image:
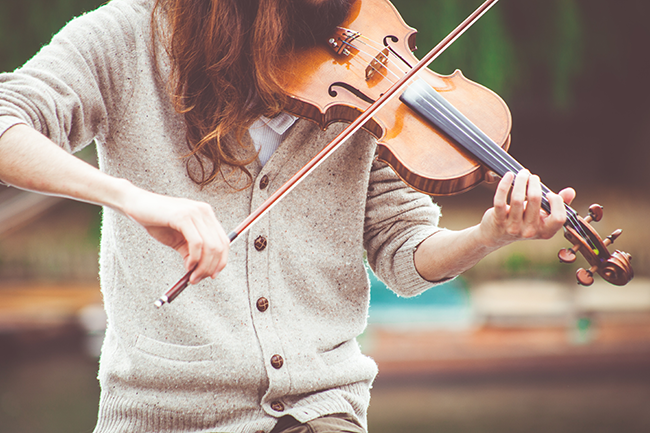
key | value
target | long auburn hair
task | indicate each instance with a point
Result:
(224, 56)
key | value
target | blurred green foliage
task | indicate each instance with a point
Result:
(485, 53)
(520, 265)
(492, 52)
(25, 25)
(533, 47)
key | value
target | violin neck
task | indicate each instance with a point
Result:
(437, 111)
(428, 103)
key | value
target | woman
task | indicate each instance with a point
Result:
(181, 97)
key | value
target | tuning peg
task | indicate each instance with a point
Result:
(568, 255)
(595, 213)
(585, 277)
(614, 268)
(611, 238)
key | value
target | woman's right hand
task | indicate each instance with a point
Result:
(190, 227)
(29, 160)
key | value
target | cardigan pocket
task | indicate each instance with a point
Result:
(174, 352)
(340, 353)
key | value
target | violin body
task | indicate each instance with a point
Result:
(442, 139)
(327, 85)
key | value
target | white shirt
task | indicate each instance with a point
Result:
(268, 133)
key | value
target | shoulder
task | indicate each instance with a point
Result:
(117, 16)
(111, 34)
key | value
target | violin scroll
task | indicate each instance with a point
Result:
(614, 268)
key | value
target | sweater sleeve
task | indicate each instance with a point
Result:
(69, 90)
(398, 219)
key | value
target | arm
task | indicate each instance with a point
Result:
(73, 91)
(397, 220)
(449, 253)
(29, 160)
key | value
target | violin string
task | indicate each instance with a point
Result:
(512, 165)
(388, 46)
(371, 43)
(494, 151)
(362, 60)
(389, 59)
(499, 156)
(378, 71)
(379, 47)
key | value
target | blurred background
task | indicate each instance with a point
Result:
(513, 345)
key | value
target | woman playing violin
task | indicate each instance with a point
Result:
(183, 101)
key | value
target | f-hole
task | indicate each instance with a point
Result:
(356, 92)
(394, 39)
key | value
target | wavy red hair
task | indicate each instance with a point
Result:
(224, 55)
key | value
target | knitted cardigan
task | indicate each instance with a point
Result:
(216, 359)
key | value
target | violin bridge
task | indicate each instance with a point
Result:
(378, 64)
(342, 41)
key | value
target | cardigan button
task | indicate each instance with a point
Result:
(277, 406)
(262, 304)
(260, 243)
(277, 362)
(264, 182)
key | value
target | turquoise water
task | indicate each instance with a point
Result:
(444, 305)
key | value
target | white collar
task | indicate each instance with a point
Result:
(280, 123)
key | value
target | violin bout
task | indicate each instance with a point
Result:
(614, 268)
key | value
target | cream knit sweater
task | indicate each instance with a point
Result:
(214, 360)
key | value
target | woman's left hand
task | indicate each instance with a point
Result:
(522, 217)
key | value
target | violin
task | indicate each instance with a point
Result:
(443, 135)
